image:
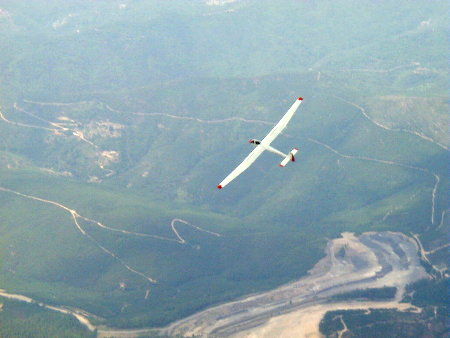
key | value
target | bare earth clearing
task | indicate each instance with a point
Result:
(371, 260)
(295, 310)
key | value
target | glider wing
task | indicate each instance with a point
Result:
(281, 125)
(243, 166)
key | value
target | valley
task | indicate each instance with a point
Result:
(372, 260)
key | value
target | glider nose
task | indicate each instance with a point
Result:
(250, 141)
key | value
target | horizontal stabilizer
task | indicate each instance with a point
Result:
(289, 157)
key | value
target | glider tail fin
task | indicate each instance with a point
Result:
(289, 157)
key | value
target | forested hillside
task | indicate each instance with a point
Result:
(119, 118)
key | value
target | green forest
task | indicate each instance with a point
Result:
(119, 117)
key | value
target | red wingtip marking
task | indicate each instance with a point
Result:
(219, 186)
(300, 98)
(281, 165)
(296, 148)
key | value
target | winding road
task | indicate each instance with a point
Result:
(81, 315)
(373, 121)
(76, 217)
(393, 163)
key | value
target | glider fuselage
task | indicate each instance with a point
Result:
(267, 147)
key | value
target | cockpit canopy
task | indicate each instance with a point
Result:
(254, 141)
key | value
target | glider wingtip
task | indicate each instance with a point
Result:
(300, 98)
(280, 165)
(219, 187)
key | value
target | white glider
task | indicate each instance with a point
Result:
(265, 145)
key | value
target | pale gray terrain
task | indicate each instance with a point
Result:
(371, 260)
